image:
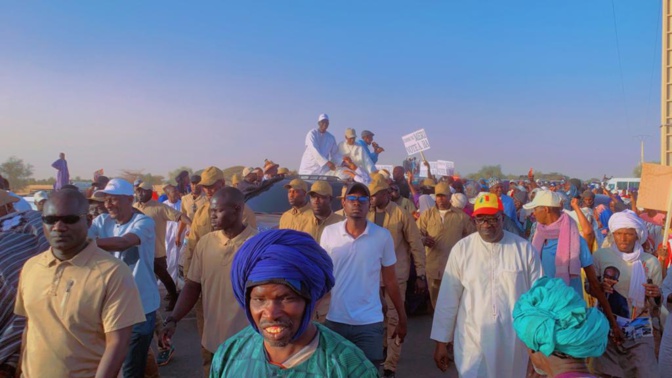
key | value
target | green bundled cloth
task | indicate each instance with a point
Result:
(551, 317)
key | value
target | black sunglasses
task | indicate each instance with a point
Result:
(67, 219)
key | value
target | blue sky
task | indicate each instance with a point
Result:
(157, 85)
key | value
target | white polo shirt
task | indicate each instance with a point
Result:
(139, 258)
(355, 298)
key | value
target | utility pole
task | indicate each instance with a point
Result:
(666, 85)
(641, 138)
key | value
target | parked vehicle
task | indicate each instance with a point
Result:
(627, 184)
(270, 200)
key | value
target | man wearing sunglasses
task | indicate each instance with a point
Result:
(80, 302)
(361, 251)
(130, 236)
(21, 237)
(486, 273)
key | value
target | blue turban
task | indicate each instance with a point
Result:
(551, 317)
(283, 256)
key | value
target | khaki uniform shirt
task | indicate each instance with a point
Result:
(314, 227)
(200, 226)
(406, 237)
(160, 214)
(406, 204)
(190, 205)
(211, 267)
(70, 306)
(294, 218)
(455, 225)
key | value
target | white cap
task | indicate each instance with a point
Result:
(247, 171)
(544, 198)
(350, 133)
(40, 196)
(116, 187)
(322, 117)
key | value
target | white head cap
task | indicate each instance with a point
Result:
(322, 117)
(116, 187)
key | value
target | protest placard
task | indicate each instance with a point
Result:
(416, 142)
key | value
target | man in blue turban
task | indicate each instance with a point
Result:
(560, 332)
(278, 277)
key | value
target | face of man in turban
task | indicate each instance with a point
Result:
(277, 311)
(625, 239)
(496, 189)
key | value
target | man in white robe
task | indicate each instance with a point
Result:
(172, 229)
(486, 274)
(321, 154)
(359, 157)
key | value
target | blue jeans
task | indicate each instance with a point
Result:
(141, 340)
(368, 338)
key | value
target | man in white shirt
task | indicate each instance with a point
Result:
(361, 251)
(486, 274)
(130, 236)
(321, 154)
(356, 153)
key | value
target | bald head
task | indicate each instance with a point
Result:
(70, 198)
(230, 196)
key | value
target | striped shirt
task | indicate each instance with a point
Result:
(21, 237)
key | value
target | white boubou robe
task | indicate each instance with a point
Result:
(480, 286)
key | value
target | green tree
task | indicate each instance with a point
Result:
(17, 172)
(487, 171)
(131, 175)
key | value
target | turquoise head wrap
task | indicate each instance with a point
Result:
(551, 317)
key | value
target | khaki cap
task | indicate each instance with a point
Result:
(146, 186)
(377, 185)
(211, 175)
(443, 189)
(283, 171)
(428, 183)
(297, 184)
(235, 179)
(350, 133)
(344, 190)
(6, 198)
(322, 188)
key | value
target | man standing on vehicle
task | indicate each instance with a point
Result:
(321, 150)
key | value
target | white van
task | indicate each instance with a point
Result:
(619, 184)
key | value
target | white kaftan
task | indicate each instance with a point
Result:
(320, 149)
(359, 157)
(173, 251)
(665, 352)
(480, 286)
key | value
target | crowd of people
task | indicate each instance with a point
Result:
(520, 276)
